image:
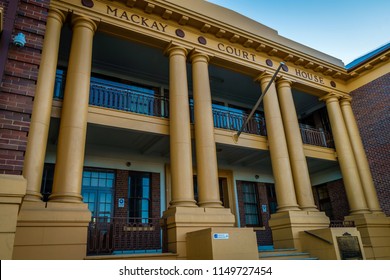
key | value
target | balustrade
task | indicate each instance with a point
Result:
(136, 99)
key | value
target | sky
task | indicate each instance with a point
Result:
(345, 29)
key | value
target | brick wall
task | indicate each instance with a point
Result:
(370, 105)
(121, 191)
(17, 86)
(136, 239)
(338, 199)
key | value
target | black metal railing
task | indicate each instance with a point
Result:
(316, 137)
(129, 100)
(341, 223)
(113, 235)
(104, 93)
(224, 118)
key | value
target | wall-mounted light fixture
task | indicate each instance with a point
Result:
(20, 40)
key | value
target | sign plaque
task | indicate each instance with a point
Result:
(349, 247)
(221, 236)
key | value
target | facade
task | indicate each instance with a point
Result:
(119, 125)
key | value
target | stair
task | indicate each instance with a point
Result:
(283, 254)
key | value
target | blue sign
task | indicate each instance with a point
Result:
(221, 236)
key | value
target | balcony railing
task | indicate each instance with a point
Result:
(316, 137)
(119, 96)
(128, 100)
(113, 235)
(227, 119)
(140, 100)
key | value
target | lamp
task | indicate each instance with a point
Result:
(20, 40)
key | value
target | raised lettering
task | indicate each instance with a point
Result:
(143, 21)
(163, 26)
(124, 15)
(133, 18)
(154, 25)
(229, 50)
(309, 76)
(110, 10)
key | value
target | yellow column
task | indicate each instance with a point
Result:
(40, 118)
(206, 156)
(180, 133)
(284, 185)
(73, 127)
(298, 162)
(360, 156)
(353, 186)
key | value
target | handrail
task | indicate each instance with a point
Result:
(319, 237)
(316, 136)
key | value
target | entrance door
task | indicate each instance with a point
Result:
(97, 192)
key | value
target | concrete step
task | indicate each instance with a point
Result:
(284, 254)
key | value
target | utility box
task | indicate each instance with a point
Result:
(222, 243)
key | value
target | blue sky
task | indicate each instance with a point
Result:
(345, 29)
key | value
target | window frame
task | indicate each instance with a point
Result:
(255, 204)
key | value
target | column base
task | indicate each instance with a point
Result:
(375, 232)
(178, 221)
(66, 198)
(221, 243)
(12, 190)
(52, 231)
(286, 227)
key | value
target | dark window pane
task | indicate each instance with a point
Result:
(139, 195)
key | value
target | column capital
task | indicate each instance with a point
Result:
(283, 82)
(57, 15)
(175, 49)
(345, 100)
(82, 21)
(331, 97)
(263, 76)
(198, 56)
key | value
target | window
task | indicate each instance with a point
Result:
(223, 191)
(139, 196)
(324, 200)
(271, 196)
(47, 181)
(97, 192)
(251, 205)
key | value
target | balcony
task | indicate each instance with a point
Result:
(145, 101)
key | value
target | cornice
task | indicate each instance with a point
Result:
(221, 30)
(369, 64)
(255, 43)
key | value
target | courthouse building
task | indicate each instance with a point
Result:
(118, 137)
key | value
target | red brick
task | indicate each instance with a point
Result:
(370, 104)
